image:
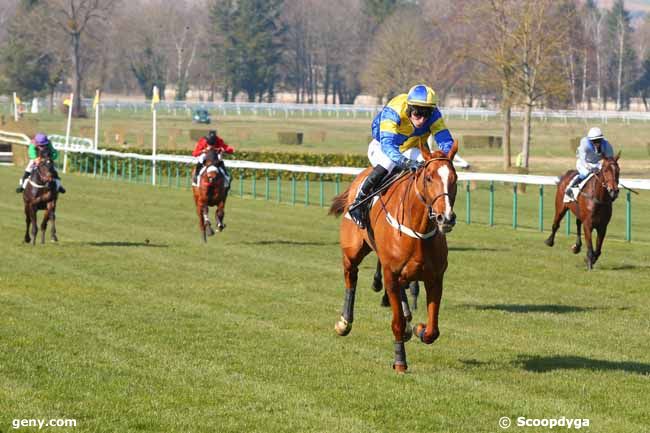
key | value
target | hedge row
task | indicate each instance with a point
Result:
(321, 160)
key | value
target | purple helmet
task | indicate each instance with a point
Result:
(41, 139)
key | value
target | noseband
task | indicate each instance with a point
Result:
(430, 212)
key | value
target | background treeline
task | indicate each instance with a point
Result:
(543, 53)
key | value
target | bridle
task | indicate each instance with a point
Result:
(432, 215)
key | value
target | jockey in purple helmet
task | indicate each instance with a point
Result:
(397, 131)
(39, 144)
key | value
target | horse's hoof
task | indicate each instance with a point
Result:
(550, 242)
(209, 231)
(55, 239)
(385, 302)
(419, 329)
(27, 240)
(400, 368)
(377, 285)
(575, 248)
(220, 227)
(343, 327)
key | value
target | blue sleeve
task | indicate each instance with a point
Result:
(608, 150)
(390, 146)
(444, 140)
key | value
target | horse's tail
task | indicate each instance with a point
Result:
(339, 203)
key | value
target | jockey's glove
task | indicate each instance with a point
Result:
(409, 164)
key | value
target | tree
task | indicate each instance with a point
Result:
(80, 20)
(251, 44)
(623, 58)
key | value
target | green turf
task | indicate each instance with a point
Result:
(130, 324)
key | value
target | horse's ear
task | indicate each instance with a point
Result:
(618, 155)
(453, 151)
(425, 151)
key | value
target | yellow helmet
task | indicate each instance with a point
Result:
(422, 96)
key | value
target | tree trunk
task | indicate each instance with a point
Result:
(77, 109)
(507, 119)
(619, 83)
(583, 97)
(525, 145)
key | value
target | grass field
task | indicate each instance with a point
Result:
(551, 152)
(130, 324)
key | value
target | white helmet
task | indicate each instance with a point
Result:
(595, 133)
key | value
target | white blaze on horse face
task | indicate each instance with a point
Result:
(444, 172)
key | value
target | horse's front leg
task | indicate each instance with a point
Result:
(430, 333)
(53, 221)
(28, 220)
(46, 218)
(377, 285)
(34, 222)
(219, 215)
(578, 245)
(591, 258)
(398, 325)
(205, 214)
(560, 210)
(601, 231)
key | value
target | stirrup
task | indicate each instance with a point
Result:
(358, 215)
(20, 189)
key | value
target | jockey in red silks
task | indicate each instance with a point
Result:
(216, 143)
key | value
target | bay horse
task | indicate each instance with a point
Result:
(406, 229)
(211, 191)
(592, 209)
(41, 194)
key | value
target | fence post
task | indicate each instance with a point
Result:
(279, 181)
(541, 208)
(241, 182)
(628, 216)
(321, 190)
(254, 186)
(491, 215)
(306, 189)
(568, 223)
(266, 182)
(293, 189)
(468, 217)
(337, 184)
(514, 206)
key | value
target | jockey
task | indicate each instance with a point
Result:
(397, 131)
(592, 149)
(211, 142)
(39, 143)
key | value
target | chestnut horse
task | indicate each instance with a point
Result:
(593, 208)
(41, 194)
(211, 191)
(406, 229)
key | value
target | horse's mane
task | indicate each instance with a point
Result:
(338, 203)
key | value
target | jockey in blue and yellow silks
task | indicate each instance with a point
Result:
(397, 131)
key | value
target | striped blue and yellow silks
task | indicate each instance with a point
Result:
(393, 129)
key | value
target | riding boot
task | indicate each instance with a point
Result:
(359, 212)
(59, 187)
(21, 183)
(197, 172)
(573, 184)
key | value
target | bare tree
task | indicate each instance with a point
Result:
(79, 19)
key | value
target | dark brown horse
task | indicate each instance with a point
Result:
(211, 191)
(41, 194)
(593, 208)
(407, 226)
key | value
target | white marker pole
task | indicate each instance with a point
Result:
(67, 133)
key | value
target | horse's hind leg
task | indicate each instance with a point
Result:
(559, 214)
(377, 284)
(578, 245)
(352, 257)
(414, 287)
(28, 220)
(34, 223)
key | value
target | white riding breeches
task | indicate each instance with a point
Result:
(378, 157)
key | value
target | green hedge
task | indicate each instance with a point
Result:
(320, 160)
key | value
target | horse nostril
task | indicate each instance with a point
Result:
(440, 218)
(452, 221)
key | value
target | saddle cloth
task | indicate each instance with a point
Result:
(576, 190)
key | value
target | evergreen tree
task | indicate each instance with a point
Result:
(250, 44)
